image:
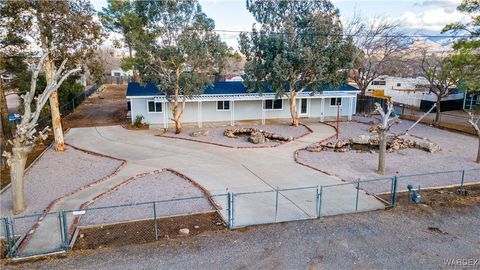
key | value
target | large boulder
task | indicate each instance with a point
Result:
(427, 146)
(257, 137)
(361, 139)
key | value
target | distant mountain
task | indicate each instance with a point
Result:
(434, 42)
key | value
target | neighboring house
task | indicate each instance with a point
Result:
(231, 101)
(120, 73)
(401, 90)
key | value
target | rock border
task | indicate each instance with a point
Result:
(310, 131)
(84, 205)
(46, 211)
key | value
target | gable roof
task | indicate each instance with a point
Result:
(217, 88)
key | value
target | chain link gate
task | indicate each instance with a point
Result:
(20, 239)
(8, 239)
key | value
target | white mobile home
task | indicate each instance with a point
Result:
(231, 101)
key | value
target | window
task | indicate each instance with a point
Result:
(399, 84)
(336, 101)
(273, 104)
(117, 74)
(223, 105)
(154, 107)
(378, 83)
(303, 106)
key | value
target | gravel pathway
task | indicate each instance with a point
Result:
(458, 152)
(215, 134)
(164, 185)
(55, 175)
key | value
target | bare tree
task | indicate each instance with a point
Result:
(378, 45)
(474, 124)
(441, 78)
(26, 135)
(66, 29)
(387, 122)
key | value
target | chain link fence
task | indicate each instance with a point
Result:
(67, 108)
(133, 223)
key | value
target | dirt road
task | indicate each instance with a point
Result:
(408, 237)
(108, 106)
(454, 120)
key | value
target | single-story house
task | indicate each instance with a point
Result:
(231, 101)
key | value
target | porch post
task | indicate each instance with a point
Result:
(350, 109)
(309, 108)
(131, 110)
(199, 114)
(322, 109)
(232, 113)
(165, 117)
(263, 112)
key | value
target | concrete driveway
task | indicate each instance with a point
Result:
(220, 169)
(251, 174)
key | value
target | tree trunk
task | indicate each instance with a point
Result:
(382, 151)
(3, 145)
(293, 109)
(438, 110)
(54, 107)
(17, 173)
(134, 72)
(178, 127)
(478, 153)
(177, 115)
(6, 131)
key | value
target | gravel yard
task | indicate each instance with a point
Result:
(55, 175)
(458, 151)
(164, 185)
(215, 134)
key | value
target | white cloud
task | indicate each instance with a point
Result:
(449, 5)
(432, 20)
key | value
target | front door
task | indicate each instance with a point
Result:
(303, 107)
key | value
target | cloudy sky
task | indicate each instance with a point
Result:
(423, 17)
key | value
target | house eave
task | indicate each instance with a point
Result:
(245, 97)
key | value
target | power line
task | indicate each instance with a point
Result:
(353, 35)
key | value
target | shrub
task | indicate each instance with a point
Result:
(138, 123)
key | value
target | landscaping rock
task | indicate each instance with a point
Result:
(373, 129)
(199, 133)
(361, 139)
(257, 137)
(184, 231)
(342, 143)
(427, 146)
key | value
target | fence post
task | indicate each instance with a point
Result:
(358, 190)
(393, 195)
(462, 191)
(319, 203)
(230, 210)
(155, 225)
(65, 229)
(8, 237)
(276, 204)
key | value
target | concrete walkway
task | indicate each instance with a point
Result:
(217, 169)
